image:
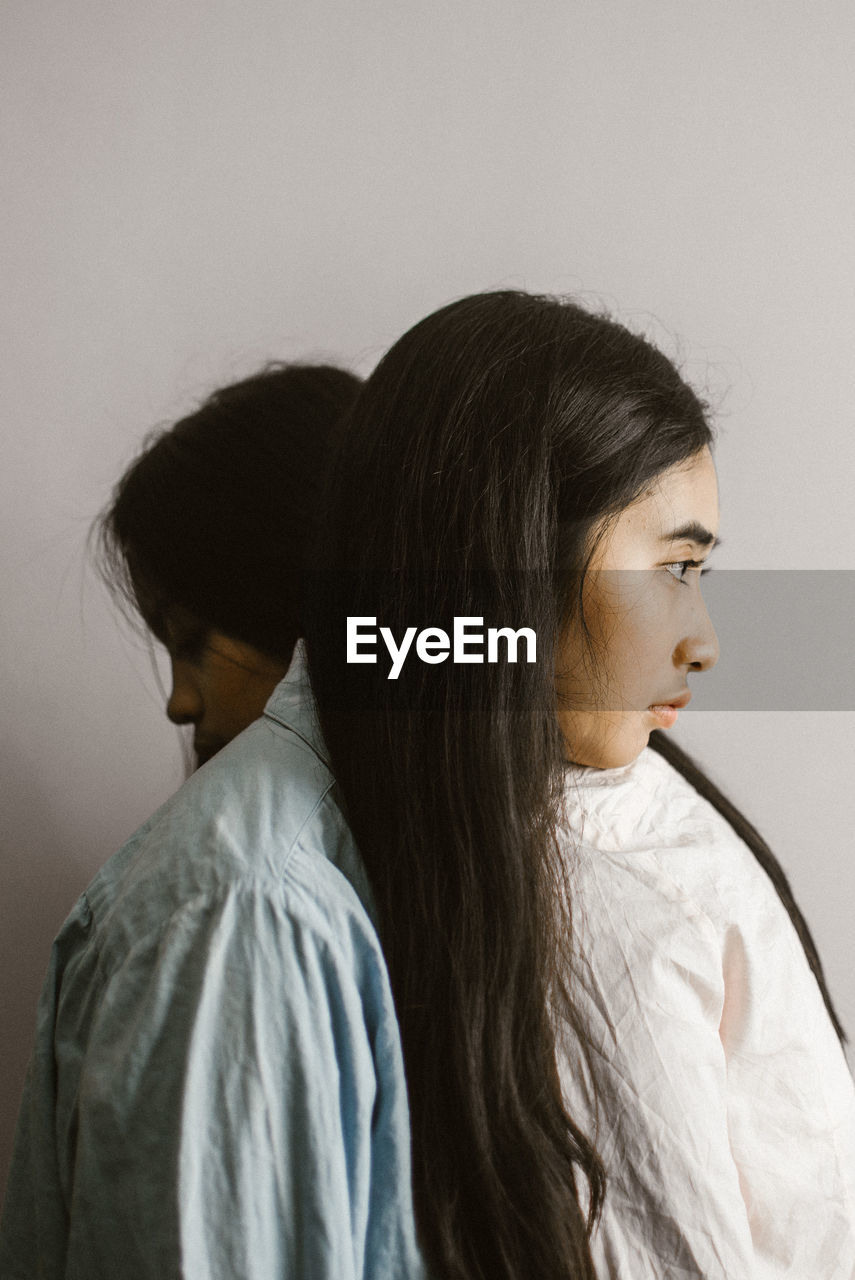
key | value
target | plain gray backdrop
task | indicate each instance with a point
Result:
(191, 189)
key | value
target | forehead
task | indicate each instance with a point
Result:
(683, 495)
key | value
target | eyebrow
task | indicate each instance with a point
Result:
(692, 532)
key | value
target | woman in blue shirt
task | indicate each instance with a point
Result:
(216, 1088)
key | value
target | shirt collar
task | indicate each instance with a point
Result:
(292, 704)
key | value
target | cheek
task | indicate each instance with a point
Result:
(240, 698)
(626, 647)
(638, 652)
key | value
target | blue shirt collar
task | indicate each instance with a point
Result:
(292, 704)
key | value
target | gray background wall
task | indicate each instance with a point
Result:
(191, 189)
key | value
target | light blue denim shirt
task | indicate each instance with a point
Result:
(217, 1088)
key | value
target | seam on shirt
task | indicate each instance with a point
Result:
(248, 879)
(309, 816)
(286, 724)
(275, 888)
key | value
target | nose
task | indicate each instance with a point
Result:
(698, 650)
(184, 705)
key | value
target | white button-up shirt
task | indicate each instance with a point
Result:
(726, 1107)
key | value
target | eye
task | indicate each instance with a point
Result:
(187, 643)
(680, 568)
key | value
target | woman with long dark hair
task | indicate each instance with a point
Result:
(671, 1065)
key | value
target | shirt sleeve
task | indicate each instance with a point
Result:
(230, 1105)
(653, 1093)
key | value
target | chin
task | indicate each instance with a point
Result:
(609, 745)
(617, 759)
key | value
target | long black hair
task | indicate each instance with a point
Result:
(704, 785)
(215, 513)
(477, 461)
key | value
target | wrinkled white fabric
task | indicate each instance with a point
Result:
(726, 1118)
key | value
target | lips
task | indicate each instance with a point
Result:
(682, 700)
(665, 713)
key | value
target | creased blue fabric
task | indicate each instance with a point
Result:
(217, 1087)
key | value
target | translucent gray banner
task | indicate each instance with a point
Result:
(787, 641)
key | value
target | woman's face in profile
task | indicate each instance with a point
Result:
(647, 626)
(219, 684)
